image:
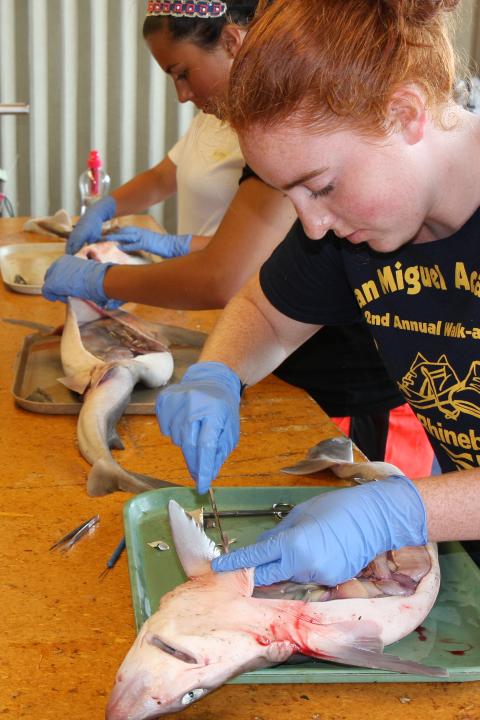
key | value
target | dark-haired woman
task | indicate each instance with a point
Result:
(204, 166)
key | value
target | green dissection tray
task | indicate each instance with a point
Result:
(449, 636)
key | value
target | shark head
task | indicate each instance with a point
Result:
(206, 631)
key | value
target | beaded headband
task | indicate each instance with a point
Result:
(186, 9)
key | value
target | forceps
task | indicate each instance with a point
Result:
(68, 540)
(278, 510)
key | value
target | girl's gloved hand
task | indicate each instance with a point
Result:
(77, 277)
(331, 537)
(89, 228)
(201, 415)
(132, 239)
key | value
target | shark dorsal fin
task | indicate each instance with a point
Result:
(194, 549)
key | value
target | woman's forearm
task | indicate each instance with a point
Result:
(256, 221)
(199, 242)
(452, 502)
(252, 337)
(183, 283)
(147, 188)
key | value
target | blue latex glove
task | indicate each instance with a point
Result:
(89, 228)
(77, 277)
(132, 239)
(201, 415)
(331, 537)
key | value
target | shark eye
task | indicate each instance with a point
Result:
(184, 657)
(193, 695)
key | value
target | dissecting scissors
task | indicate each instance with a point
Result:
(278, 510)
(68, 540)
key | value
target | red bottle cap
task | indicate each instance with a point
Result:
(94, 160)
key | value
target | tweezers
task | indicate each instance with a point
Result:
(68, 540)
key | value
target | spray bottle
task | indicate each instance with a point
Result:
(94, 183)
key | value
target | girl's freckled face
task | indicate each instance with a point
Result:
(363, 189)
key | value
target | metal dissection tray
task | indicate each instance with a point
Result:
(23, 266)
(36, 387)
(449, 636)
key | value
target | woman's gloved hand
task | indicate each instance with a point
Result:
(133, 239)
(77, 277)
(331, 537)
(201, 415)
(89, 228)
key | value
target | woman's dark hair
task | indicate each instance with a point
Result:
(204, 32)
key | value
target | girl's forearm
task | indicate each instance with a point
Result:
(252, 337)
(146, 189)
(452, 502)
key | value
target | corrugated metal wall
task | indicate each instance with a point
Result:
(468, 33)
(84, 68)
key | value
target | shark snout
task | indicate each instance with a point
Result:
(132, 699)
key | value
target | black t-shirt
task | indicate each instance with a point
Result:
(422, 305)
(339, 366)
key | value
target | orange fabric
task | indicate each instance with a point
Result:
(408, 446)
(343, 423)
(407, 443)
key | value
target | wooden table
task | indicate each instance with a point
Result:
(64, 633)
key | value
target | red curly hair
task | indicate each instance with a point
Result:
(327, 63)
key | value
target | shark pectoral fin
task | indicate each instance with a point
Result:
(79, 382)
(105, 371)
(372, 658)
(362, 646)
(369, 643)
(114, 440)
(106, 476)
(367, 471)
(102, 478)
